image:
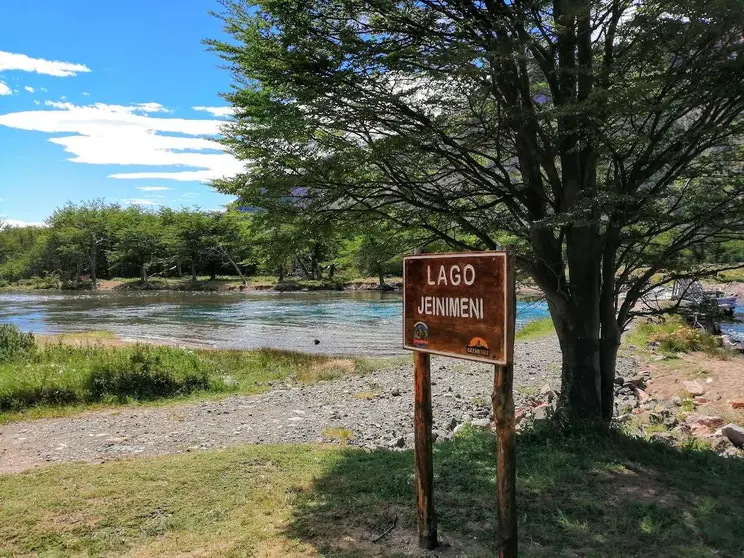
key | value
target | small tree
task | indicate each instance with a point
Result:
(82, 232)
(603, 134)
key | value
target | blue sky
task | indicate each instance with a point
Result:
(97, 100)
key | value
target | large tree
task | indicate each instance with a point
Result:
(601, 134)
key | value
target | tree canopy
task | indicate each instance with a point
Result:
(602, 137)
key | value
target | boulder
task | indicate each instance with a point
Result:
(737, 404)
(481, 423)
(704, 420)
(694, 388)
(734, 433)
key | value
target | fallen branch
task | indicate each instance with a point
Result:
(378, 539)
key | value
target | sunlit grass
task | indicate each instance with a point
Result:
(602, 494)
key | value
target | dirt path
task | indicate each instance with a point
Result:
(373, 411)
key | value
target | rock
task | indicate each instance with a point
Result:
(545, 389)
(395, 392)
(481, 423)
(666, 437)
(709, 381)
(637, 381)
(622, 419)
(704, 420)
(676, 400)
(452, 424)
(397, 442)
(659, 357)
(619, 381)
(458, 428)
(734, 433)
(700, 400)
(693, 388)
(643, 397)
(737, 404)
(720, 443)
(655, 418)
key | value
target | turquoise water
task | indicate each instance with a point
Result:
(736, 330)
(357, 323)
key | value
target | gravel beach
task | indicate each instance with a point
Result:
(372, 410)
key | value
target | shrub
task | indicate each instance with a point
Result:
(143, 374)
(684, 339)
(14, 343)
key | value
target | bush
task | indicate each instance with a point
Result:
(14, 343)
(684, 339)
(144, 374)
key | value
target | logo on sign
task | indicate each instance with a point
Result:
(420, 334)
(478, 346)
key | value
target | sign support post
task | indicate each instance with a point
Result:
(502, 401)
(427, 519)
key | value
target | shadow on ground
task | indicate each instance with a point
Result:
(578, 495)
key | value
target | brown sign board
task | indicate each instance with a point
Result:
(459, 305)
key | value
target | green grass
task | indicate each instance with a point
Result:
(578, 495)
(535, 329)
(674, 336)
(58, 378)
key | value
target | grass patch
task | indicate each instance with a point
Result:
(674, 336)
(578, 495)
(56, 378)
(343, 435)
(535, 329)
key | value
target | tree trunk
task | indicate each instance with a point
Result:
(304, 268)
(93, 263)
(213, 272)
(381, 276)
(193, 272)
(143, 273)
(179, 269)
(281, 273)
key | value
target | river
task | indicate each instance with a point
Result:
(343, 322)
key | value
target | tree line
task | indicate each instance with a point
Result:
(81, 244)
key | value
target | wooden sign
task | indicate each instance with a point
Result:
(463, 306)
(458, 305)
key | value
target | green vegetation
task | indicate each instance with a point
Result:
(60, 376)
(535, 329)
(189, 248)
(578, 495)
(673, 336)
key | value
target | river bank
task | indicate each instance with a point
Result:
(296, 399)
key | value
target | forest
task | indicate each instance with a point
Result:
(84, 243)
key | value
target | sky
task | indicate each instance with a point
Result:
(113, 100)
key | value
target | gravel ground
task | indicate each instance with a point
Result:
(376, 408)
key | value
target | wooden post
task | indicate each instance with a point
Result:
(427, 519)
(503, 412)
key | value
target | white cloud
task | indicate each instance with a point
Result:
(103, 134)
(23, 63)
(36, 102)
(85, 94)
(19, 223)
(4, 89)
(138, 202)
(216, 111)
(29, 89)
(153, 188)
